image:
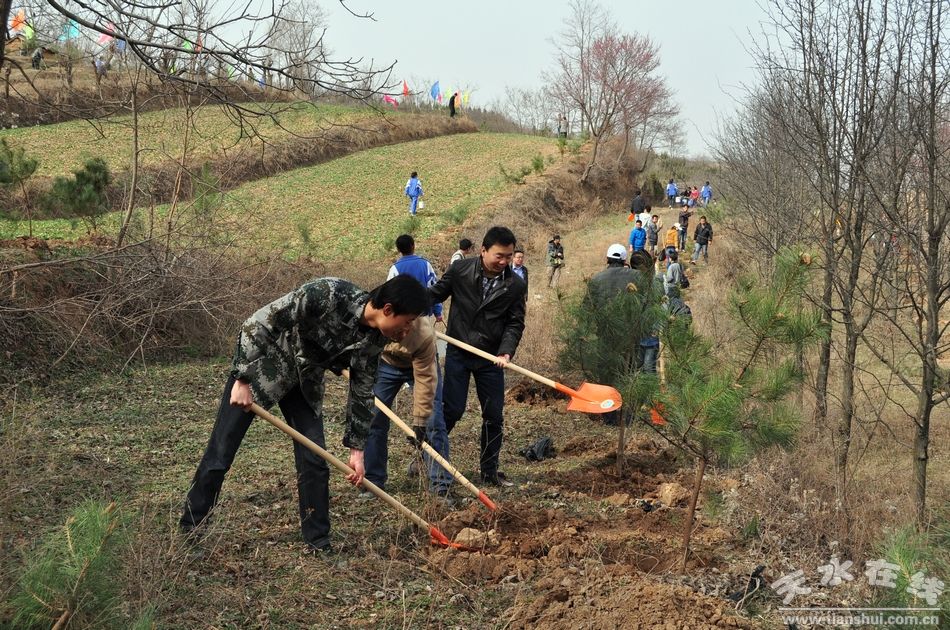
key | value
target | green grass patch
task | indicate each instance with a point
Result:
(63, 147)
(352, 207)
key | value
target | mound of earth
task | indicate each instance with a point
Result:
(598, 597)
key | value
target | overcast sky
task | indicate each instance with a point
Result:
(492, 44)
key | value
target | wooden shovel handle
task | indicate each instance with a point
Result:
(511, 366)
(434, 454)
(339, 465)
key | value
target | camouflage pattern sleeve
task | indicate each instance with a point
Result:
(360, 404)
(260, 358)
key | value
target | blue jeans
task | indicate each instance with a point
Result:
(460, 366)
(700, 249)
(376, 454)
(648, 356)
(681, 237)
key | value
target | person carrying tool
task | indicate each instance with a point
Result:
(488, 308)
(412, 360)
(281, 354)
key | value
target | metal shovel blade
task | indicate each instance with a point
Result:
(593, 398)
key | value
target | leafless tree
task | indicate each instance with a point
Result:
(608, 77)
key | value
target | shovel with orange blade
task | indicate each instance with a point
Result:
(434, 454)
(436, 536)
(588, 398)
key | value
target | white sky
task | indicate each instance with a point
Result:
(491, 44)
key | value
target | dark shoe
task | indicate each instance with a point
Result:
(318, 550)
(444, 498)
(496, 479)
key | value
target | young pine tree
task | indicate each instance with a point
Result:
(15, 169)
(720, 405)
(601, 337)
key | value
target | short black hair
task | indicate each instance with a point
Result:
(649, 207)
(703, 217)
(499, 235)
(465, 244)
(405, 244)
(673, 255)
(639, 222)
(413, 174)
(642, 260)
(637, 193)
(518, 250)
(404, 293)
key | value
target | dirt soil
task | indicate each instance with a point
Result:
(592, 571)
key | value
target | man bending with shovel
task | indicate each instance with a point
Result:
(488, 307)
(282, 352)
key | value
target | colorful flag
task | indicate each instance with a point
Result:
(28, 32)
(105, 38)
(405, 88)
(465, 98)
(70, 31)
(389, 99)
(435, 92)
(19, 20)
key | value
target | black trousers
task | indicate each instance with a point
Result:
(460, 367)
(313, 474)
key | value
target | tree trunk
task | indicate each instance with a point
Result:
(621, 442)
(593, 158)
(824, 349)
(691, 512)
(135, 169)
(843, 432)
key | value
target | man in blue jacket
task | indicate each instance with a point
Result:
(705, 194)
(414, 192)
(638, 237)
(416, 266)
(671, 192)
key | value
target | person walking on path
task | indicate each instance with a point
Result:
(638, 238)
(674, 273)
(488, 309)
(517, 266)
(670, 243)
(653, 234)
(703, 237)
(637, 206)
(414, 192)
(694, 197)
(465, 248)
(409, 264)
(685, 214)
(671, 192)
(705, 194)
(282, 352)
(412, 361)
(555, 261)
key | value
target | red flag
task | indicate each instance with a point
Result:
(389, 99)
(405, 88)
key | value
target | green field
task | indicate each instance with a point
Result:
(354, 207)
(347, 206)
(63, 147)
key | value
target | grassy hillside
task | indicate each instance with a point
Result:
(64, 147)
(354, 207)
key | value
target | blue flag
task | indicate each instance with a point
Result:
(435, 92)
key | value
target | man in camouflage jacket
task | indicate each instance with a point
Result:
(282, 352)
